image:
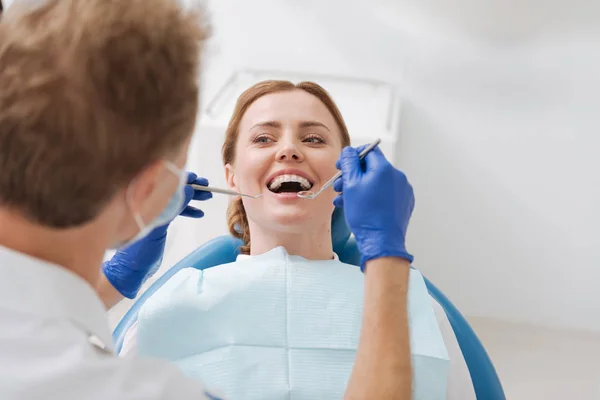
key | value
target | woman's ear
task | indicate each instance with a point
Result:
(230, 177)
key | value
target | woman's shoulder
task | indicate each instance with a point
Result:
(335, 263)
(350, 266)
(190, 277)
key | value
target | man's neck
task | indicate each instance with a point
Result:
(79, 250)
(312, 245)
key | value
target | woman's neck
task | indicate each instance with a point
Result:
(314, 244)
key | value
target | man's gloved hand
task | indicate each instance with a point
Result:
(131, 266)
(378, 202)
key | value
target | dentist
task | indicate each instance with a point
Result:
(98, 103)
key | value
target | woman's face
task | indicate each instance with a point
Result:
(288, 141)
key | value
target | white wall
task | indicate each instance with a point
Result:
(542, 364)
(499, 135)
(501, 144)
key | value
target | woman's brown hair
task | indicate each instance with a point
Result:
(237, 220)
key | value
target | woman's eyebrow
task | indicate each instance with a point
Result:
(308, 124)
(277, 124)
(270, 124)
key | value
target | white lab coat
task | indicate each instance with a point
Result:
(55, 342)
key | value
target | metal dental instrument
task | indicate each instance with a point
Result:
(307, 194)
(223, 191)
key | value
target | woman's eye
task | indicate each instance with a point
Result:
(314, 139)
(262, 139)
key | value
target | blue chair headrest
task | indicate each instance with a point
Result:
(340, 233)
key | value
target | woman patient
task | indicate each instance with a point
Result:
(284, 319)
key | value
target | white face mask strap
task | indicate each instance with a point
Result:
(173, 168)
(139, 221)
(180, 173)
(136, 215)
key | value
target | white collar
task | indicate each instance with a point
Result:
(34, 286)
(281, 252)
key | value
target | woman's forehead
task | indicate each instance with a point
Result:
(295, 106)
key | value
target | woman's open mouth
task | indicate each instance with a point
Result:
(289, 183)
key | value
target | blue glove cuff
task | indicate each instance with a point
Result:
(379, 244)
(111, 273)
(132, 266)
(127, 281)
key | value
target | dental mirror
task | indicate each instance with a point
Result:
(307, 194)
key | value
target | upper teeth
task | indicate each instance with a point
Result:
(276, 183)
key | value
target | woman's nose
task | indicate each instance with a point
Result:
(289, 152)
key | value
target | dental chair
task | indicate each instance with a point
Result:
(224, 249)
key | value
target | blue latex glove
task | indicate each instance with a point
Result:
(377, 201)
(130, 267)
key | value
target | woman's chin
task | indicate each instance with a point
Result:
(290, 213)
(288, 217)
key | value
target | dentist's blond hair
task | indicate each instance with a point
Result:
(91, 93)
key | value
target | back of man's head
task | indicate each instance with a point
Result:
(91, 92)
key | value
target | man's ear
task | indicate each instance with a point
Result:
(230, 177)
(144, 186)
